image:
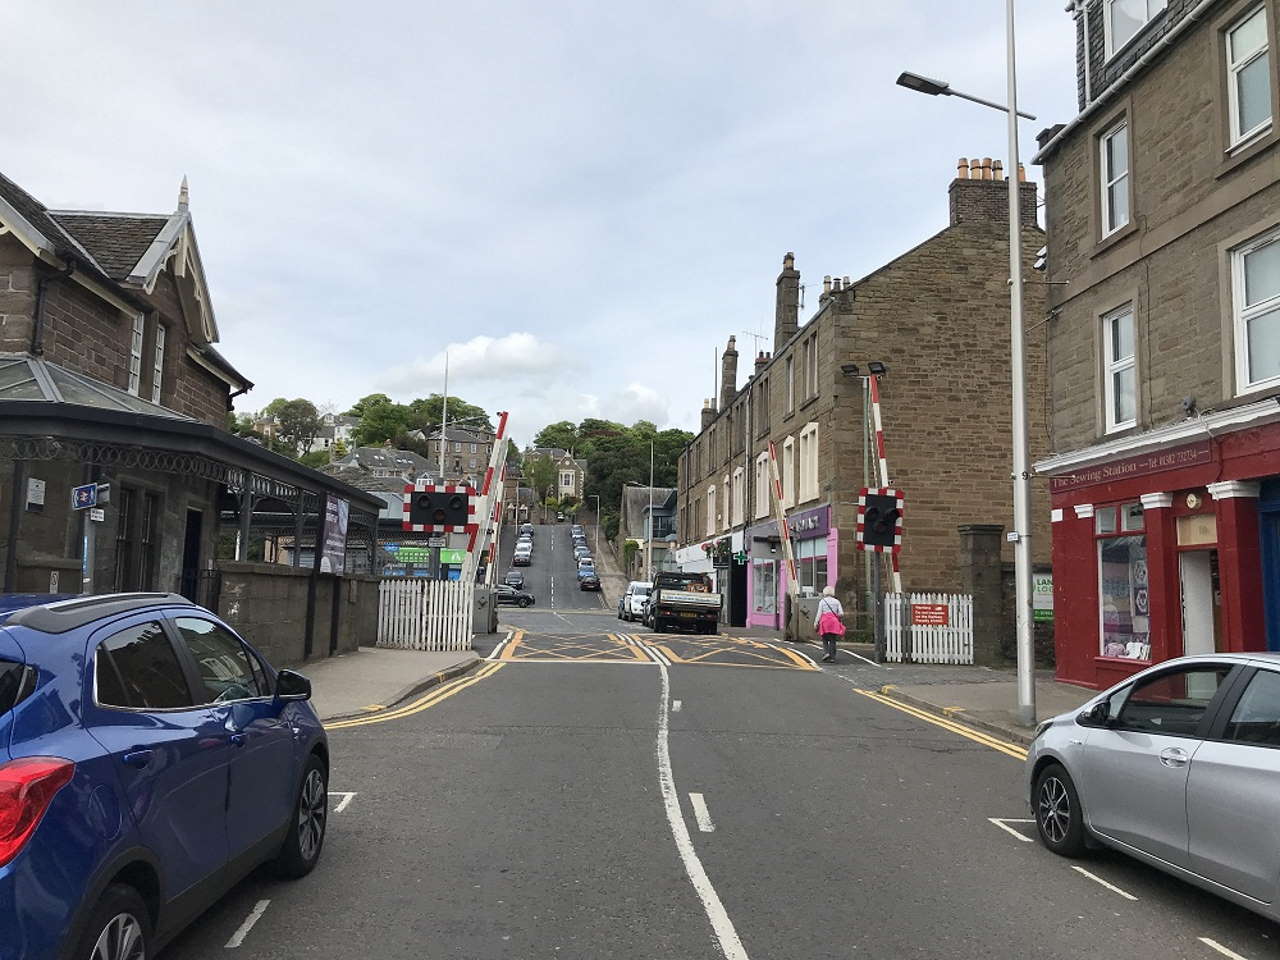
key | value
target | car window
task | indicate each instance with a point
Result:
(1172, 703)
(16, 683)
(223, 663)
(138, 667)
(503, 588)
(1256, 718)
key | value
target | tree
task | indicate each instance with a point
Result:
(380, 420)
(299, 420)
(340, 449)
(360, 406)
(540, 474)
(562, 434)
(425, 413)
(315, 459)
(272, 409)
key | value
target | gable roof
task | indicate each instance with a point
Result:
(117, 241)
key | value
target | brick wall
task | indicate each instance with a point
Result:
(1191, 202)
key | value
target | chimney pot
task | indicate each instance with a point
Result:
(1022, 174)
(835, 285)
(986, 168)
(847, 284)
(962, 169)
(997, 170)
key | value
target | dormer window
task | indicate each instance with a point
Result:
(1124, 20)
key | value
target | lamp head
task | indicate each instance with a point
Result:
(849, 369)
(877, 368)
(913, 81)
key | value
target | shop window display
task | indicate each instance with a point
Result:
(1123, 595)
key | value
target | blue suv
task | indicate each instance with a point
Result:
(149, 759)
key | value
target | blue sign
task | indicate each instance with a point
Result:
(391, 547)
(84, 497)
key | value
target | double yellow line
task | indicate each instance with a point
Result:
(434, 696)
(1007, 747)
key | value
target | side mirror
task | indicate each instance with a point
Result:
(1099, 715)
(292, 686)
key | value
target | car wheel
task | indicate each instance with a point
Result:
(119, 927)
(1059, 817)
(525, 601)
(301, 849)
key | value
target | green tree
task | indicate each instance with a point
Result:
(272, 409)
(314, 459)
(562, 434)
(425, 412)
(360, 406)
(340, 450)
(540, 474)
(380, 421)
(299, 420)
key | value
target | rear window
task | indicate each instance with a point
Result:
(16, 683)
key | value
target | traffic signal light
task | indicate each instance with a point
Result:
(439, 508)
(879, 520)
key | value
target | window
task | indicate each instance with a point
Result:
(135, 355)
(789, 472)
(566, 480)
(811, 564)
(711, 511)
(726, 502)
(1125, 18)
(225, 667)
(1248, 76)
(1113, 150)
(1124, 611)
(473, 448)
(762, 486)
(138, 667)
(473, 462)
(1121, 375)
(1256, 718)
(1256, 295)
(791, 383)
(762, 408)
(764, 586)
(809, 486)
(157, 371)
(811, 365)
(1173, 703)
(457, 446)
(739, 496)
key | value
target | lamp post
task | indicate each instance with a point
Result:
(1021, 534)
(648, 541)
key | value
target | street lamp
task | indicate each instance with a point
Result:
(1020, 536)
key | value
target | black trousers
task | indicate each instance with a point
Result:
(829, 645)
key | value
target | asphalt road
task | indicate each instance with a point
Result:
(553, 576)
(595, 792)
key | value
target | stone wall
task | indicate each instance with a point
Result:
(267, 604)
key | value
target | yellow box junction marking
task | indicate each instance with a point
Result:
(436, 695)
(575, 647)
(739, 646)
(1007, 747)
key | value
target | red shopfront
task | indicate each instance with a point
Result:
(1158, 553)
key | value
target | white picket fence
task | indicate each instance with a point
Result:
(418, 614)
(929, 627)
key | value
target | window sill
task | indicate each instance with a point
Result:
(808, 402)
(1111, 239)
(790, 414)
(1244, 151)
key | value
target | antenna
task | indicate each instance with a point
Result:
(758, 337)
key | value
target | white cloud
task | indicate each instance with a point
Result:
(509, 359)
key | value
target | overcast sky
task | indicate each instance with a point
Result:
(580, 200)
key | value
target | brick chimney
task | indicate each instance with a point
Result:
(980, 193)
(786, 315)
(728, 374)
(762, 360)
(708, 412)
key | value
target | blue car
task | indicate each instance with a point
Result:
(149, 759)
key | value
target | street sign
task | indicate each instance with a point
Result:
(930, 615)
(84, 497)
(391, 548)
(97, 514)
(435, 541)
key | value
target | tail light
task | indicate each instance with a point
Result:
(27, 787)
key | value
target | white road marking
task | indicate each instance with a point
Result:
(701, 813)
(347, 797)
(1003, 824)
(1097, 879)
(254, 916)
(721, 925)
(1226, 952)
(675, 705)
(840, 650)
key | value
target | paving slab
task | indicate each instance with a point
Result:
(374, 678)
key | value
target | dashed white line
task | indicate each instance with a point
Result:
(1003, 824)
(676, 705)
(1225, 951)
(242, 931)
(701, 813)
(347, 797)
(1097, 879)
(721, 925)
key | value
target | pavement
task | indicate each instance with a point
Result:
(601, 792)
(374, 678)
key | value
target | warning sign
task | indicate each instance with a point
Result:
(929, 615)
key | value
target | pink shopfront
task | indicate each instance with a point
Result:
(814, 542)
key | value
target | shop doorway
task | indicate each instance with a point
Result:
(738, 594)
(191, 556)
(1201, 622)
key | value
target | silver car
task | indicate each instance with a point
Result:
(1178, 766)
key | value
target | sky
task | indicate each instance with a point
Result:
(577, 201)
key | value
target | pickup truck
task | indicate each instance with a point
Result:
(683, 600)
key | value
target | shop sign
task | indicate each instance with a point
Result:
(1157, 461)
(1042, 597)
(810, 523)
(930, 615)
(453, 556)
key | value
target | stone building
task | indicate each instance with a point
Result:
(110, 382)
(1164, 338)
(937, 316)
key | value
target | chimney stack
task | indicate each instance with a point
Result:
(786, 318)
(762, 359)
(980, 193)
(708, 412)
(729, 374)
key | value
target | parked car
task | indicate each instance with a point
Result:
(581, 552)
(522, 557)
(589, 582)
(1177, 766)
(559, 518)
(505, 595)
(526, 530)
(577, 531)
(514, 578)
(152, 758)
(631, 603)
(586, 568)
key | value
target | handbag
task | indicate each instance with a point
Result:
(830, 623)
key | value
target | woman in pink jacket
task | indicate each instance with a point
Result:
(829, 623)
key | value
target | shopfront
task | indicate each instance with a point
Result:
(765, 586)
(1167, 544)
(814, 542)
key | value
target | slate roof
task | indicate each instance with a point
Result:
(363, 479)
(116, 240)
(35, 213)
(386, 458)
(635, 504)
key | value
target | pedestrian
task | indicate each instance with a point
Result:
(828, 622)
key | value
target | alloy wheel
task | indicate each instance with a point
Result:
(1054, 809)
(120, 939)
(312, 807)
